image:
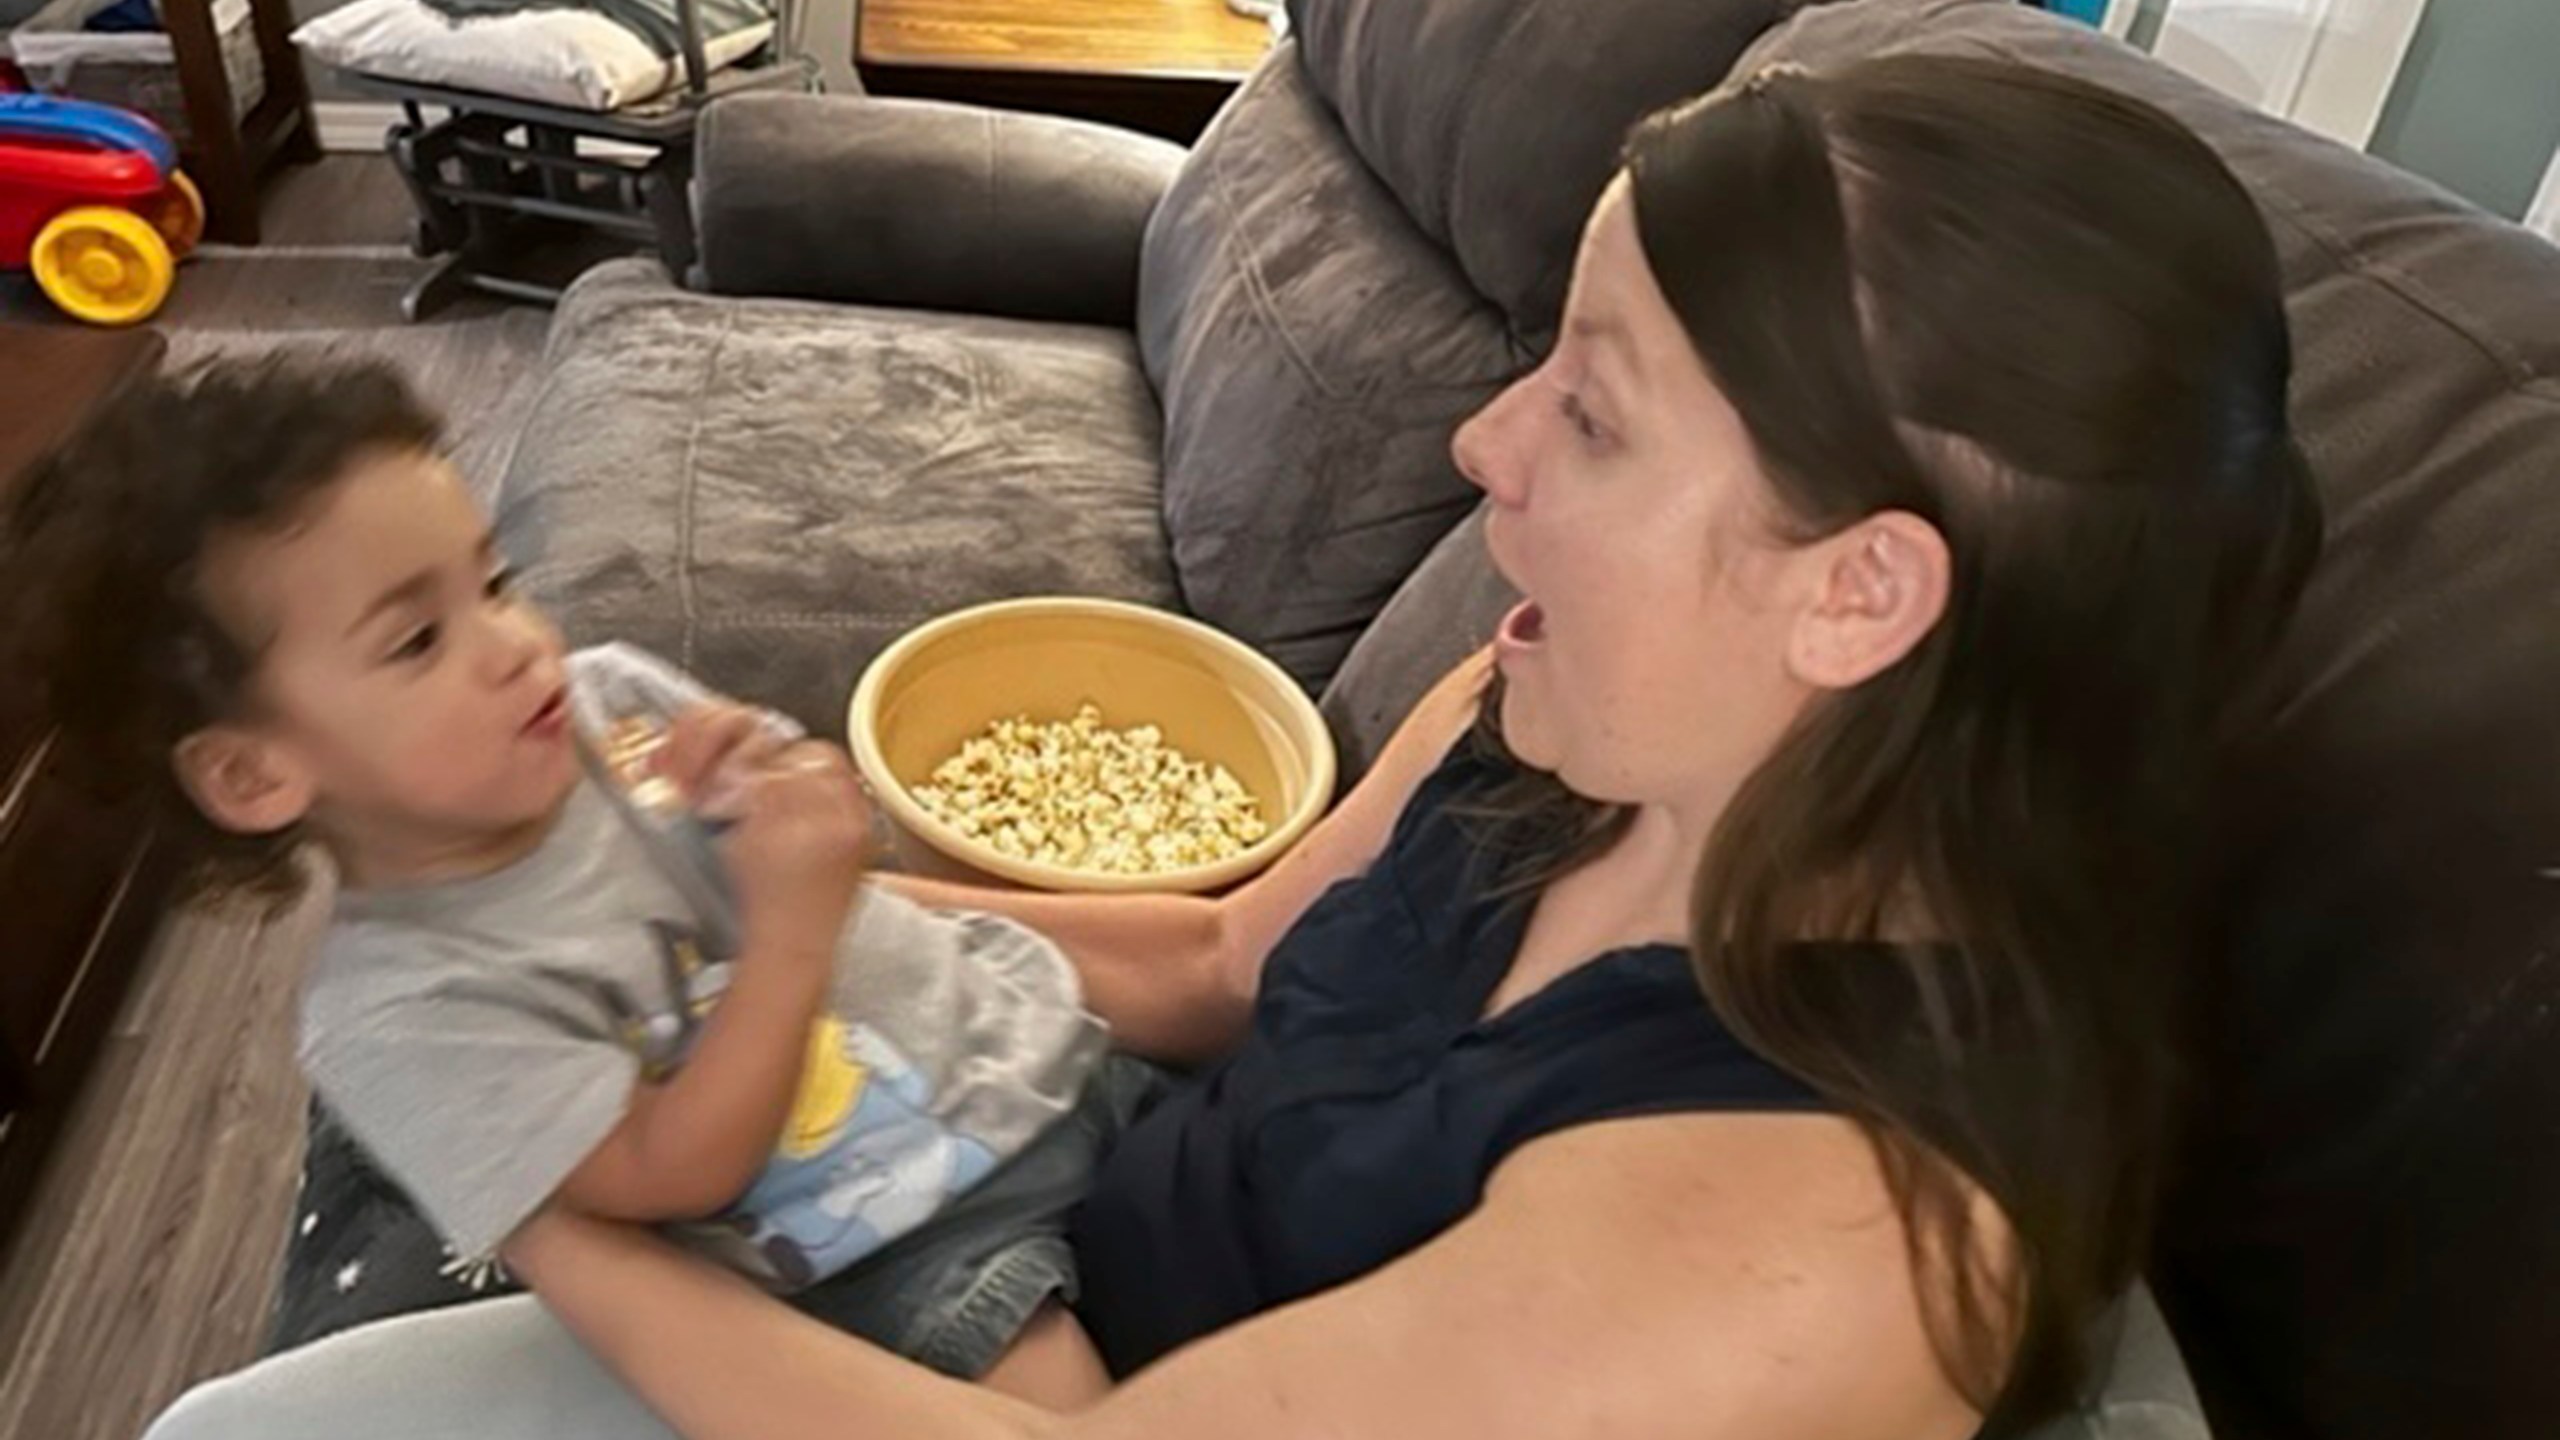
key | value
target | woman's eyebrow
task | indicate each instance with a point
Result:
(1606, 336)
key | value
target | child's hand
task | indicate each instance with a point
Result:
(712, 753)
(797, 852)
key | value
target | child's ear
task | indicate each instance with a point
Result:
(242, 782)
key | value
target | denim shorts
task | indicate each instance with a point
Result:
(955, 1292)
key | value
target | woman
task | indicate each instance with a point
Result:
(1901, 515)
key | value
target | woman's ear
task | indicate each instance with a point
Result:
(242, 782)
(1879, 588)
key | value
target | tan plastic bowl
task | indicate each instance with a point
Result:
(1214, 698)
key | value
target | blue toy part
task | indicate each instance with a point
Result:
(52, 117)
(125, 17)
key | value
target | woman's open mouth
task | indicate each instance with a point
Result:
(1522, 629)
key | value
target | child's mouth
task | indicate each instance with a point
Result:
(552, 719)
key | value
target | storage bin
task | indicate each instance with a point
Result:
(136, 71)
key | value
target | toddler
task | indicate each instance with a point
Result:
(258, 596)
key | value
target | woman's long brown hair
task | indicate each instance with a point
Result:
(1960, 899)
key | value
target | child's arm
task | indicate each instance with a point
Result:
(692, 1144)
(689, 1145)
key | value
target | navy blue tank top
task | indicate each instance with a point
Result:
(1369, 1104)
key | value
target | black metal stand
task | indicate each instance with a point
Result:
(510, 204)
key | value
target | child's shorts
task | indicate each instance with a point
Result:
(955, 1292)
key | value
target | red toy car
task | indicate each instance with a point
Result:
(91, 199)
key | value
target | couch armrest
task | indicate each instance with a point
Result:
(931, 206)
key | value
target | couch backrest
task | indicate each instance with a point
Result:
(1370, 240)
(2367, 1241)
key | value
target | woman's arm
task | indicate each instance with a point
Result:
(1681, 1276)
(716, 1357)
(1176, 974)
(1149, 963)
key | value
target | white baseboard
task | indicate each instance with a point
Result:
(353, 127)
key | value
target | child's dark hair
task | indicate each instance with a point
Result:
(100, 558)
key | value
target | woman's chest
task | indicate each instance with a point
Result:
(1347, 1155)
(1377, 1096)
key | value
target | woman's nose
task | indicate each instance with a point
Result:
(1487, 448)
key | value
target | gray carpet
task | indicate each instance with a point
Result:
(330, 275)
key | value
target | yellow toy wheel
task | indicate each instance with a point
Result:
(103, 265)
(178, 214)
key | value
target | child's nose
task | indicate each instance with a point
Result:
(517, 639)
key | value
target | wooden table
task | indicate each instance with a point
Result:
(81, 886)
(1162, 66)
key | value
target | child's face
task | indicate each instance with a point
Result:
(405, 699)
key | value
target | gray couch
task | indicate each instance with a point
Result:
(947, 356)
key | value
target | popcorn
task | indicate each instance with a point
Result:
(1082, 795)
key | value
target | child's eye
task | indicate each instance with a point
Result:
(501, 583)
(419, 642)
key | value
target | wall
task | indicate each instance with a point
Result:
(2477, 105)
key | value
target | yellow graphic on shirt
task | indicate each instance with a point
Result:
(831, 1084)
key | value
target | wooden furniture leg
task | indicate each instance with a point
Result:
(215, 158)
(225, 156)
(288, 87)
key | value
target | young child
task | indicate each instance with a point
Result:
(257, 595)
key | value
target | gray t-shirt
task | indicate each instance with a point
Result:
(481, 1036)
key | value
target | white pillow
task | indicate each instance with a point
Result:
(575, 58)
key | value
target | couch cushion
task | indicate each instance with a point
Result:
(1496, 123)
(359, 1251)
(769, 491)
(1314, 351)
(2367, 1245)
